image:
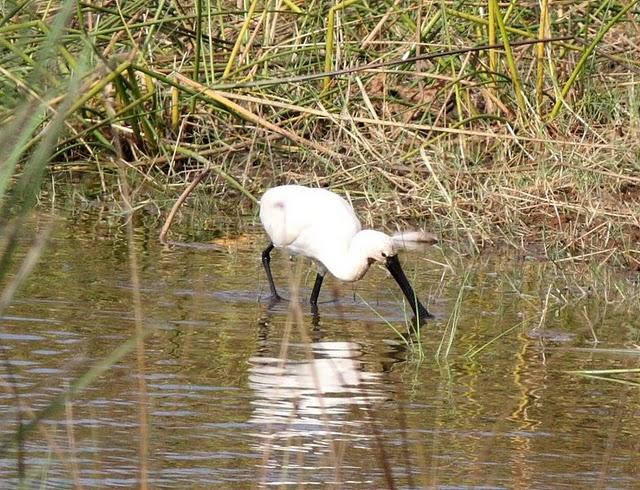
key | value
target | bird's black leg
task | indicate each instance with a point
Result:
(266, 261)
(315, 317)
(316, 290)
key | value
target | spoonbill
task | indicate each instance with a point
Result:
(321, 225)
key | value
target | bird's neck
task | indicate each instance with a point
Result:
(348, 264)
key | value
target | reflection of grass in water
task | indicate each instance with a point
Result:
(611, 375)
(390, 454)
(384, 457)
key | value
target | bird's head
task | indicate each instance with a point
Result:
(378, 247)
(374, 245)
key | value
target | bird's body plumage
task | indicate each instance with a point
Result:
(314, 223)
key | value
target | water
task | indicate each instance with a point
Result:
(239, 395)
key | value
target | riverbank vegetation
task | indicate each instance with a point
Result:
(398, 104)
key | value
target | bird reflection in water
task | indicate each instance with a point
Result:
(311, 412)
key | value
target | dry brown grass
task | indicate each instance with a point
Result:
(521, 143)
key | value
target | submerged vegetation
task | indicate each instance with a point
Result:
(522, 143)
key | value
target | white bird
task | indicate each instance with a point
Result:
(321, 225)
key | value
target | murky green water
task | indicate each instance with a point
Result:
(344, 402)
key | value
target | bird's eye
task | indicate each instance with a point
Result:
(384, 254)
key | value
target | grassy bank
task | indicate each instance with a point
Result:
(534, 143)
